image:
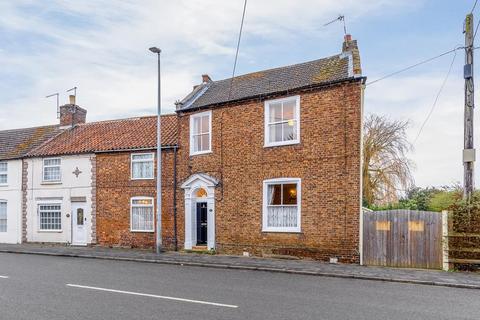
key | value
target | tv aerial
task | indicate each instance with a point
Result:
(340, 18)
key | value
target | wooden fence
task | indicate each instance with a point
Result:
(403, 238)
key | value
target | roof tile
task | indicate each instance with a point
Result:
(114, 135)
(317, 72)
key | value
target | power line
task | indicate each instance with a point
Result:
(474, 5)
(238, 47)
(413, 66)
(436, 98)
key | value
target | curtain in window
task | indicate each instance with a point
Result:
(282, 209)
(143, 169)
(142, 218)
(282, 216)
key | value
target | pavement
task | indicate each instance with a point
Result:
(300, 267)
(49, 288)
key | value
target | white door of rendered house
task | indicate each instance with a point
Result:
(79, 230)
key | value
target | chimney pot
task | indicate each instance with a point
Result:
(71, 99)
(348, 37)
(206, 78)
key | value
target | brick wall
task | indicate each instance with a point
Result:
(327, 160)
(24, 199)
(113, 193)
(94, 199)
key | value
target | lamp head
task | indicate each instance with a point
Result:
(155, 50)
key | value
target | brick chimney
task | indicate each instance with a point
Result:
(71, 114)
(351, 46)
(206, 78)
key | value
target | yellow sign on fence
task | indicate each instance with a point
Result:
(416, 226)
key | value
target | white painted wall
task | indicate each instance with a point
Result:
(12, 193)
(39, 192)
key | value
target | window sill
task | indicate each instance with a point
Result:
(281, 144)
(142, 231)
(200, 153)
(134, 179)
(3, 185)
(50, 182)
(281, 231)
(49, 231)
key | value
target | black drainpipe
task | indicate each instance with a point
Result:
(175, 197)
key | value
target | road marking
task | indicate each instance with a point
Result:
(154, 296)
(4, 277)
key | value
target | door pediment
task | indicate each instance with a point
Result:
(199, 179)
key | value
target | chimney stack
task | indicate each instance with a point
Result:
(350, 46)
(206, 78)
(71, 114)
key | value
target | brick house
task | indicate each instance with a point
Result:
(270, 161)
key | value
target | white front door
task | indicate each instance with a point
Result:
(79, 230)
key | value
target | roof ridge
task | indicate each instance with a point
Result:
(124, 119)
(339, 55)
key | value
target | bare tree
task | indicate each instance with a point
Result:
(386, 168)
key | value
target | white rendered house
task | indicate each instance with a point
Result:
(59, 199)
(15, 144)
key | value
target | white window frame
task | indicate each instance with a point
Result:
(266, 183)
(39, 219)
(50, 166)
(6, 217)
(143, 160)
(4, 173)
(199, 115)
(142, 205)
(267, 122)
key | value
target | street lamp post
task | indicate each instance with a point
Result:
(157, 51)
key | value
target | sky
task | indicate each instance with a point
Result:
(102, 48)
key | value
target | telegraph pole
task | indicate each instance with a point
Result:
(468, 150)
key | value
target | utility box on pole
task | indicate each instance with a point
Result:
(468, 150)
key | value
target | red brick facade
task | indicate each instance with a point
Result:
(327, 160)
(114, 190)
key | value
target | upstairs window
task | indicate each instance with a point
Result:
(52, 170)
(142, 166)
(3, 173)
(141, 214)
(3, 216)
(281, 205)
(282, 121)
(201, 133)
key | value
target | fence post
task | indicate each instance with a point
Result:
(446, 265)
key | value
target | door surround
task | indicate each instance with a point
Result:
(199, 187)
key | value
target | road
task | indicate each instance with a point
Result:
(39, 287)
